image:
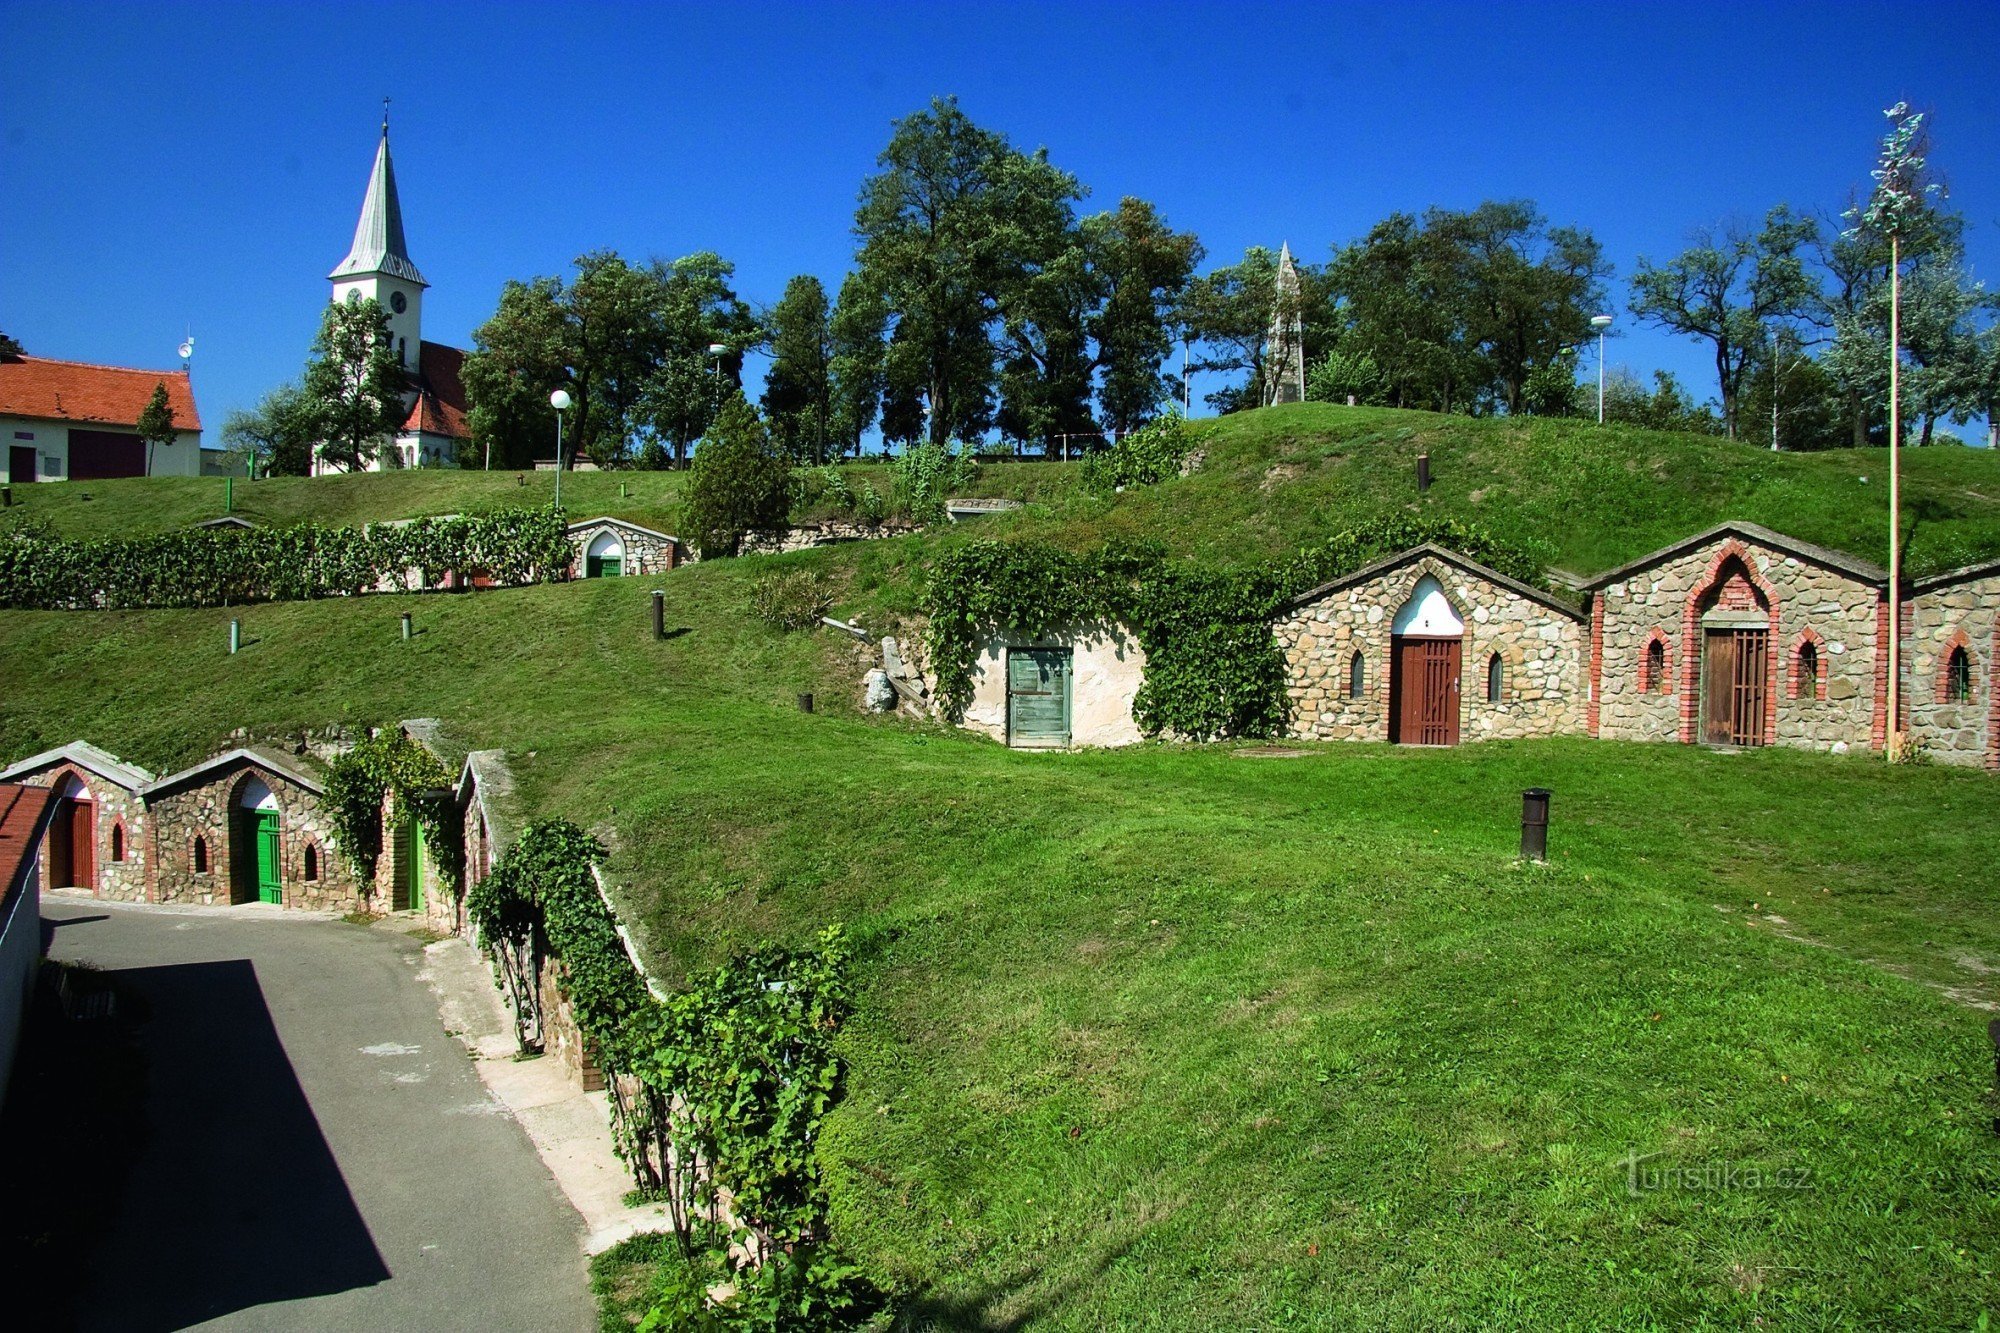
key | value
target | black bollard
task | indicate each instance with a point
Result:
(659, 614)
(1535, 824)
(1423, 473)
(805, 703)
(406, 625)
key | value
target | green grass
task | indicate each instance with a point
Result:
(1185, 1037)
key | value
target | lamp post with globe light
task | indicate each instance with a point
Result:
(1600, 323)
(560, 401)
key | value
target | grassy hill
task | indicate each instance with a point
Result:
(1201, 1037)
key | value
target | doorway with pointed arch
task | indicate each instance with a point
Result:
(255, 873)
(1426, 644)
(72, 837)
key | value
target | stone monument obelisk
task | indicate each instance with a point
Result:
(1285, 348)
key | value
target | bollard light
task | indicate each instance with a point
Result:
(406, 625)
(1423, 473)
(659, 614)
(235, 636)
(805, 703)
(1535, 824)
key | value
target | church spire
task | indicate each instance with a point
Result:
(378, 238)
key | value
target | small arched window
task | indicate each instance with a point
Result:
(118, 842)
(1958, 676)
(1806, 685)
(312, 862)
(1496, 678)
(200, 855)
(1656, 667)
(1357, 676)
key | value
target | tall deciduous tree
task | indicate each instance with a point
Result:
(1144, 266)
(1727, 289)
(1226, 316)
(857, 369)
(948, 228)
(699, 310)
(520, 356)
(275, 437)
(798, 389)
(354, 385)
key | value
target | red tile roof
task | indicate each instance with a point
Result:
(440, 405)
(35, 386)
(23, 812)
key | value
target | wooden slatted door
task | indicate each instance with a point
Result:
(1734, 665)
(1038, 696)
(1423, 690)
(270, 884)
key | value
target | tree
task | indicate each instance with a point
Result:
(738, 482)
(275, 437)
(948, 228)
(1727, 288)
(9, 347)
(798, 389)
(1226, 315)
(353, 387)
(1667, 407)
(520, 356)
(156, 423)
(1144, 266)
(699, 309)
(856, 369)
(1530, 290)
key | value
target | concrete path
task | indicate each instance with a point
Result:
(319, 1152)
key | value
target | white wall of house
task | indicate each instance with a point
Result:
(50, 441)
(1107, 666)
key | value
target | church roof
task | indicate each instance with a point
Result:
(440, 405)
(378, 238)
(35, 386)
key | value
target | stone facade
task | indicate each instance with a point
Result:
(642, 550)
(1803, 597)
(197, 847)
(1540, 644)
(116, 826)
(782, 541)
(1958, 612)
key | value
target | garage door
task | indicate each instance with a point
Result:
(96, 454)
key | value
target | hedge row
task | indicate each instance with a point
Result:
(226, 567)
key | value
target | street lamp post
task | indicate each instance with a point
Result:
(1600, 323)
(560, 401)
(716, 352)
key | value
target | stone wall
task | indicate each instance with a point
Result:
(123, 877)
(1798, 600)
(1957, 614)
(774, 541)
(203, 810)
(1542, 653)
(562, 1040)
(1107, 667)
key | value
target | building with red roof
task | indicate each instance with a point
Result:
(71, 420)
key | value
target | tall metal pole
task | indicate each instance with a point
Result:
(559, 459)
(1600, 376)
(1894, 747)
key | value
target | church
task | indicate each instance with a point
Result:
(378, 267)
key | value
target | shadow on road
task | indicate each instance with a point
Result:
(236, 1200)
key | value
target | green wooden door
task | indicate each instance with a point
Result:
(1038, 696)
(415, 865)
(270, 887)
(603, 566)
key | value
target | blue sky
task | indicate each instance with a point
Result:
(197, 166)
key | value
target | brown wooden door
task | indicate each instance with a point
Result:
(1734, 665)
(83, 844)
(1423, 690)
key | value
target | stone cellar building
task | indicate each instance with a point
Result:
(97, 836)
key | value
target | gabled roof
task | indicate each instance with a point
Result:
(378, 237)
(440, 407)
(486, 779)
(226, 521)
(1449, 557)
(50, 390)
(1820, 555)
(1964, 574)
(86, 756)
(281, 765)
(580, 525)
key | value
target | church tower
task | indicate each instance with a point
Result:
(379, 264)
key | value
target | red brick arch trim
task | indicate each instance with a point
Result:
(1718, 567)
(119, 843)
(1794, 656)
(1648, 682)
(1993, 703)
(1941, 682)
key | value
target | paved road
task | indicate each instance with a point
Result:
(320, 1154)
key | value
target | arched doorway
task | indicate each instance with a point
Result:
(72, 837)
(1736, 678)
(1426, 640)
(605, 558)
(253, 844)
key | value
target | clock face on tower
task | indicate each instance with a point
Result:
(398, 302)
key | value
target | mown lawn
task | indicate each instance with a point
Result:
(1186, 1037)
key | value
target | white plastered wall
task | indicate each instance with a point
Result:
(1107, 667)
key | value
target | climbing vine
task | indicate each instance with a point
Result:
(387, 763)
(224, 567)
(1212, 664)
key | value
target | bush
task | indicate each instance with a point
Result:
(1150, 454)
(926, 475)
(790, 599)
(737, 482)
